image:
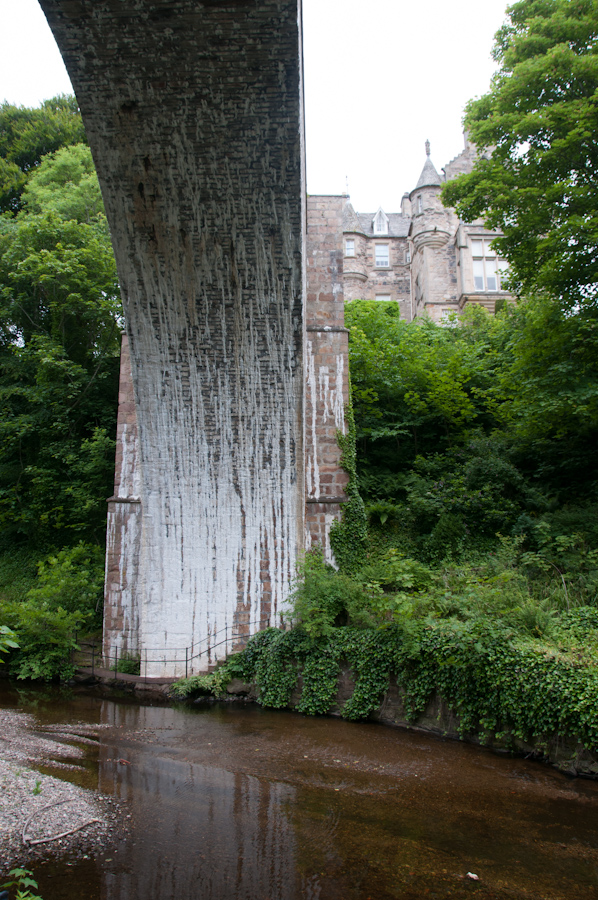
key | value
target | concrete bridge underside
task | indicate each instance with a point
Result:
(193, 112)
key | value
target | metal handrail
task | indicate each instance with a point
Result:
(237, 638)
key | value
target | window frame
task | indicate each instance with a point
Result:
(486, 266)
(377, 263)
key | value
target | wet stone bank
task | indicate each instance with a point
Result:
(234, 802)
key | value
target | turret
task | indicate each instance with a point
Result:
(433, 261)
(430, 225)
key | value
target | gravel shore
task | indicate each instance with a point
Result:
(35, 807)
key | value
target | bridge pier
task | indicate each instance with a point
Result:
(194, 114)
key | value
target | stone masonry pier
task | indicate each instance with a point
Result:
(193, 111)
(194, 115)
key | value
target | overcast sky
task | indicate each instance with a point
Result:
(381, 77)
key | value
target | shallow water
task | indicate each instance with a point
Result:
(232, 802)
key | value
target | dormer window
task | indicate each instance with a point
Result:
(380, 222)
(350, 247)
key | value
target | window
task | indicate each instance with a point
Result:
(382, 255)
(380, 222)
(487, 267)
(350, 247)
(420, 204)
(385, 297)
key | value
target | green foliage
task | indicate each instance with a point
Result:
(8, 640)
(23, 881)
(495, 680)
(66, 183)
(442, 485)
(323, 598)
(212, 684)
(58, 281)
(506, 656)
(348, 537)
(46, 639)
(128, 665)
(60, 318)
(65, 597)
(539, 120)
(27, 135)
(72, 579)
(59, 348)
(549, 376)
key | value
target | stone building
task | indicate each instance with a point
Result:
(423, 257)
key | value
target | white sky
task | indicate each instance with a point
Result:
(380, 78)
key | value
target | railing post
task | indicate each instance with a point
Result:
(186, 660)
(116, 663)
(93, 658)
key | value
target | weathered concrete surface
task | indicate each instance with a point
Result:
(193, 111)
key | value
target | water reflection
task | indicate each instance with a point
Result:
(200, 831)
(244, 804)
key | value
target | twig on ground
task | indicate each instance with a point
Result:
(39, 812)
(62, 834)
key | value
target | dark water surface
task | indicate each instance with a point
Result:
(232, 802)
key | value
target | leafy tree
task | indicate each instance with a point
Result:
(58, 282)
(26, 135)
(59, 342)
(414, 386)
(537, 176)
(466, 431)
(58, 379)
(66, 183)
(8, 640)
(72, 579)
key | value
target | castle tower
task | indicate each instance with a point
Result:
(433, 264)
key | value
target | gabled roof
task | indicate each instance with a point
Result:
(363, 223)
(398, 225)
(383, 219)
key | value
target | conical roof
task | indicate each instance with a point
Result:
(350, 218)
(429, 176)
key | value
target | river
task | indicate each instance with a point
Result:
(234, 802)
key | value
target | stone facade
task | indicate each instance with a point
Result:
(422, 258)
(326, 370)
